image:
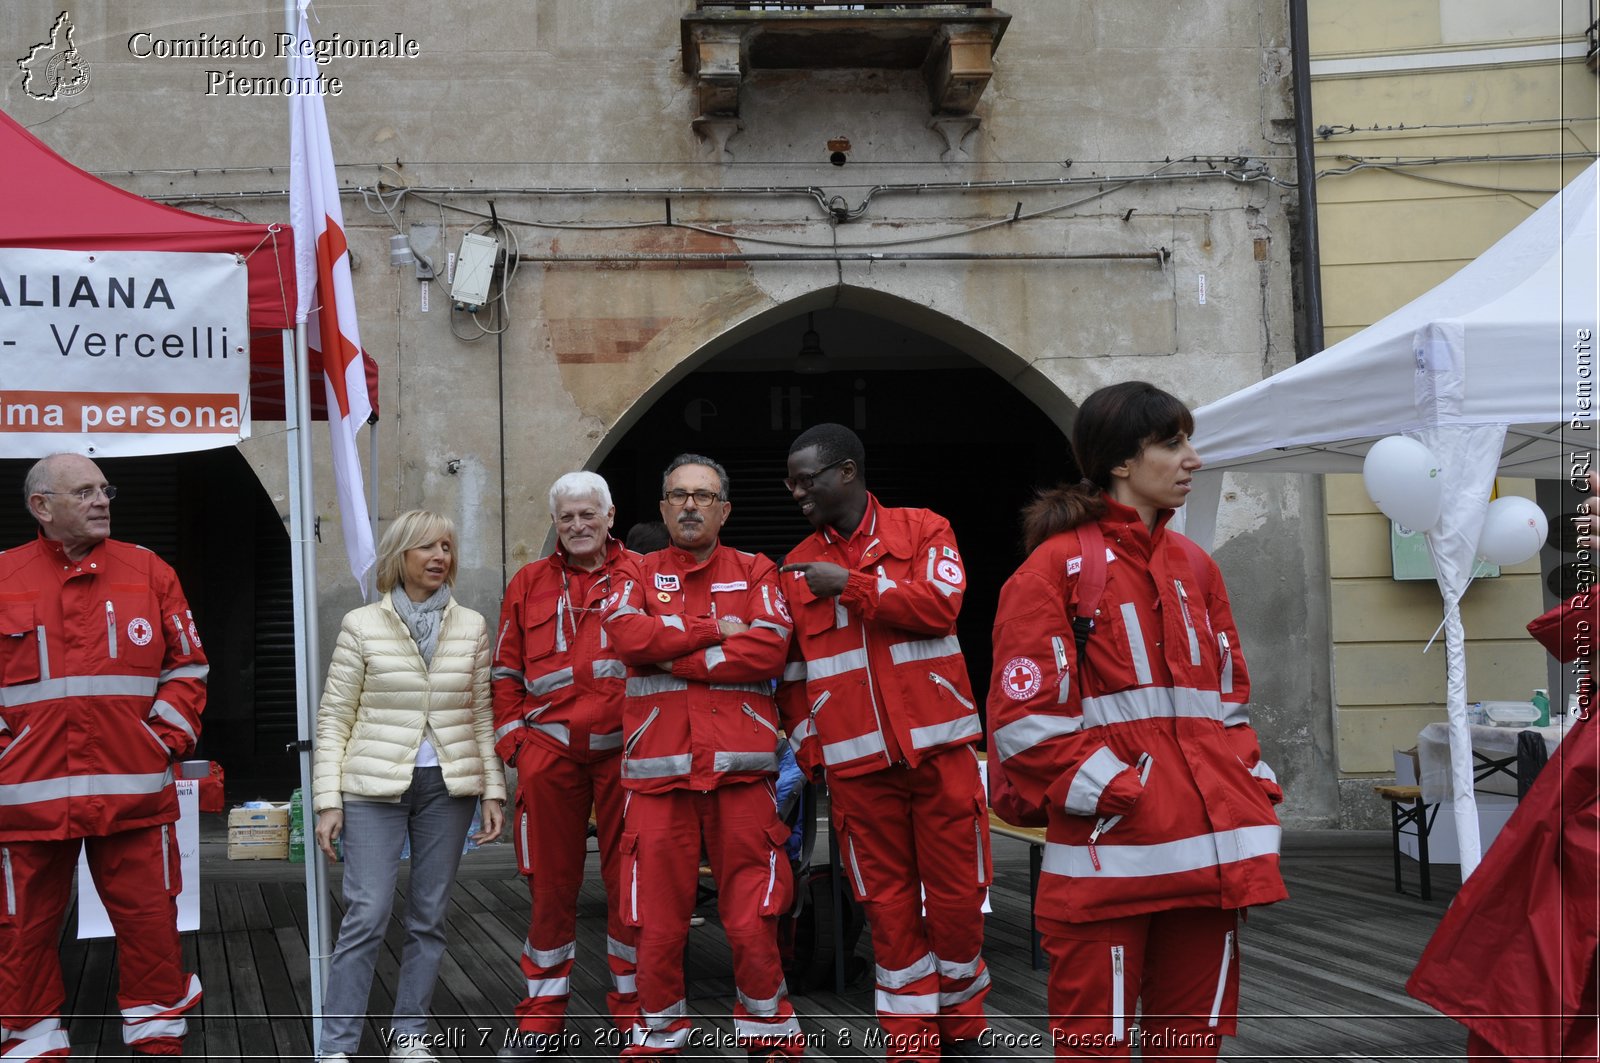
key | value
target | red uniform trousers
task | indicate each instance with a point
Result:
(554, 796)
(1183, 964)
(140, 894)
(744, 839)
(904, 831)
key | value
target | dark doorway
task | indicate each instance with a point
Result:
(208, 517)
(940, 431)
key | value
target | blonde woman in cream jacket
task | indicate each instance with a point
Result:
(404, 750)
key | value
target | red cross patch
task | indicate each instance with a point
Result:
(1022, 678)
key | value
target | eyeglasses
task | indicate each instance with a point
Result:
(804, 483)
(679, 498)
(85, 494)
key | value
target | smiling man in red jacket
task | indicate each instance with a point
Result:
(705, 632)
(102, 681)
(876, 693)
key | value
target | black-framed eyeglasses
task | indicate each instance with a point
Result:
(805, 482)
(678, 497)
(84, 494)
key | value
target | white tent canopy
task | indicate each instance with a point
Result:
(1493, 369)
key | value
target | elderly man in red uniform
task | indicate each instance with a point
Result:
(102, 682)
(877, 694)
(558, 689)
(705, 632)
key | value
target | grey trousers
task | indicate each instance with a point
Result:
(374, 832)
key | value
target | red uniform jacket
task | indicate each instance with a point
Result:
(712, 718)
(102, 682)
(883, 654)
(557, 680)
(1142, 752)
(1513, 959)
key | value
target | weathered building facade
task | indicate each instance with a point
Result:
(968, 216)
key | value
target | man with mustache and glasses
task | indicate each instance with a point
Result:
(705, 633)
(558, 719)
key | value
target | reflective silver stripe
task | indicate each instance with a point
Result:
(648, 720)
(44, 653)
(166, 860)
(743, 688)
(624, 984)
(884, 582)
(1226, 683)
(838, 664)
(656, 767)
(758, 718)
(851, 748)
(943, 588)
(11, 884)
(766, 1007)
(507, 673)
(933, 555)
(723, 761)
(937, 734)
(620, 950)
(558, 731)
(770, 626)
(544, 684)
(794, 671)
(608, 668)
(111, 629)
(924, 649)
(1091, 780)
(34, 1047)
(1118, 994)
(747, 1028)
(606, 740)
(841, 618)
(183, 636)
(143, 1031)
(1222, 978)
(1188, 622)
(1153, 703)
(643, 686)
(505, 629)
(1019, 736)
(78, 686)
(1262, 771)
(625, 610)
(664, 1040)
(549, 957)
(672, 621)
(191, 994)
(501, 732)
(27, 793)
(957, 971)
(1235, 713)
(162, 711)
(899, 978)
(561, 631)
(961, 996)
(187, 671)
(898, 1004)
(939, 680)
(714, 657)
(855, 869)
(15, 742)
(1135, 635)
(804, 731)
(671, 1013)
(1163, 858)
(549, 987)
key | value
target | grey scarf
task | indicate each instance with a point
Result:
(423, 619)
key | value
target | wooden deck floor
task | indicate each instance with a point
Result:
(1323, 973)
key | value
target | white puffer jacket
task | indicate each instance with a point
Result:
(380, 699)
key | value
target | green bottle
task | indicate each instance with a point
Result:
(297, 827)
(1541, 701)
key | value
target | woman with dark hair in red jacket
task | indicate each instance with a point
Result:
(1134, 736)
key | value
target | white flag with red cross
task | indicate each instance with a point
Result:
(327, 297)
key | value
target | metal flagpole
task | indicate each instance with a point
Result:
(297, 412)
(372, 500)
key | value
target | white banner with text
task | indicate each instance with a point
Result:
(113, 353)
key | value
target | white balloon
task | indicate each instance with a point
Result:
(1513, 530)
(1402, 478)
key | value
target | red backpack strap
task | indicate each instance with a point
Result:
(1091, 581)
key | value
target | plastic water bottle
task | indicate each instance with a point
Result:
(297, 827)
(1541, 701)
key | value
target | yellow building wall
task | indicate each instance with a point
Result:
(1393, 84)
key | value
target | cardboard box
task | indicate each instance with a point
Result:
(259, 833)
(1443, 848)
